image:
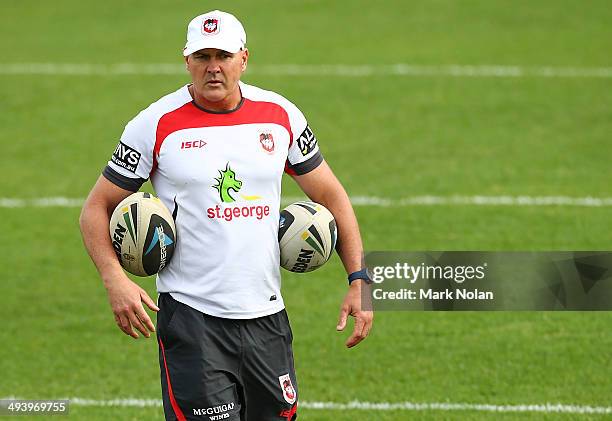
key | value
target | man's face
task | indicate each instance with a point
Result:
(215, 73)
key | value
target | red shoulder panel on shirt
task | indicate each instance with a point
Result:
(189, 116)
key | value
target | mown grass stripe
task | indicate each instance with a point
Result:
(374, 406)
(374, 201)
(339, 70)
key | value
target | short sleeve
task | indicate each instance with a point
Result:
(304, 155)
(131, 162)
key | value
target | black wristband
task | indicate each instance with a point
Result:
(360, 274)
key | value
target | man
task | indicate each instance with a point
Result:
(224, 337)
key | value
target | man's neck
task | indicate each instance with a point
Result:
(228, 103)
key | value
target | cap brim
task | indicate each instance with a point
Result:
(202, 44)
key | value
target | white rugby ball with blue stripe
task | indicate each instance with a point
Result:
(143, 234)
(307, 236)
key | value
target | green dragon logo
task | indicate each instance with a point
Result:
(227, 181)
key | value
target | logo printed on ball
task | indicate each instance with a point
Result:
(129, 216)
(312, 237)
(118, 236)
(160, 237)
(302, 261)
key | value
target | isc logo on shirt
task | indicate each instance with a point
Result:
(189, 144)
(126, 157)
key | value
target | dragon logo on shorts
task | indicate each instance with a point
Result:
(288, 390)
(227, 181)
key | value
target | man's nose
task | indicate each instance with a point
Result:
(214, 66)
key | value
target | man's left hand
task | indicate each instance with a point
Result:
(352, 306)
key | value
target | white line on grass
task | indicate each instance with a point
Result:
(374, 201)
(341, 70)
(42, 202)
(375, 406)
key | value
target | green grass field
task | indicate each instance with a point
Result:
(387, 136)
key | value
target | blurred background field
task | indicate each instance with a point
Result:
(385, 135)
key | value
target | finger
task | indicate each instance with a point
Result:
(356, 337)
(138, 324)
(344, 311)
(369, 320)
(148, 301)
(126, 327)
(146, 320)
(366, 329)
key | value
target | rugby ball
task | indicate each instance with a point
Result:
(307, 236)
(143, 234)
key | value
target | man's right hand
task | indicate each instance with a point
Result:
(126, 298)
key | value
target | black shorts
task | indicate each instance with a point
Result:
(225, 369)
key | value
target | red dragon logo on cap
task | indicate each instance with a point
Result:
(210, 26)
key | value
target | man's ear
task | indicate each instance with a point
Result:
(245, 59)
(187, 62)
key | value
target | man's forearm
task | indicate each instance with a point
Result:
(349, 246)
(94, 222)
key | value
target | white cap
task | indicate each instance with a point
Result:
(215, 29)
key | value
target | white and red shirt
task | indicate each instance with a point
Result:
(220, 176)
